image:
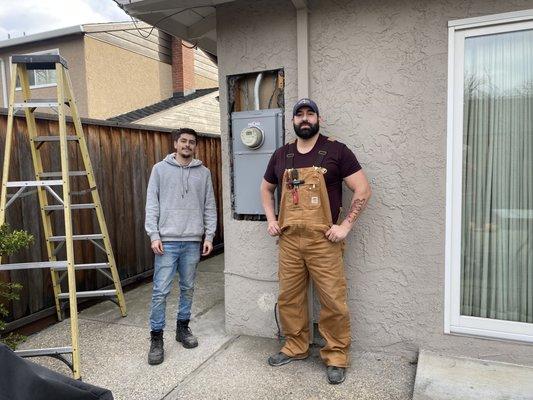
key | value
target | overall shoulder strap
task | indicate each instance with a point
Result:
(289, 157)
(322, 152)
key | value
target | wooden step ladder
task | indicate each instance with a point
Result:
(46, 190)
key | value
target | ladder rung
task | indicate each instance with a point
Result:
(44, 352)
(85, 266)
(59, 174)
(81, 206)
(53, 138)
(90, 293)
(94, 236)
(46, 103)
(34, 183)
(34, 265)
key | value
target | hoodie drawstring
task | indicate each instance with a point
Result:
(185, 187)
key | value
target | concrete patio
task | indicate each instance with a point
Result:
(114, 350)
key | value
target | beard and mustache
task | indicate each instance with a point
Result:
(308, 131)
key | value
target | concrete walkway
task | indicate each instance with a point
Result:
(114, 352)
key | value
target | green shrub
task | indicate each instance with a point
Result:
(10, 243)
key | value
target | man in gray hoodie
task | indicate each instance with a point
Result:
(180, 209)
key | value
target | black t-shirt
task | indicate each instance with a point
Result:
(340, 162)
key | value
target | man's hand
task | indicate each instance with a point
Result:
(337, 233)
(157, 247)
(273, 228)
(207, 248)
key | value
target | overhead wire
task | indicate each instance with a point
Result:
(168, 16)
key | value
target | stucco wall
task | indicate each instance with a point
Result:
(379, 75)
(71, 49)
(119, 80)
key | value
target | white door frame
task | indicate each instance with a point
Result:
(454, 323)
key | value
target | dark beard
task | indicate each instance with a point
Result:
(306, 133)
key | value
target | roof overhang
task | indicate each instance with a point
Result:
(194, 21)
(71, 30)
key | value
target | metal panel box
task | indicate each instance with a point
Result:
(249, 164)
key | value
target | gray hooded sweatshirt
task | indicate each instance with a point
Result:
(180, 204)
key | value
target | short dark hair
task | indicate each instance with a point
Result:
(178, 132)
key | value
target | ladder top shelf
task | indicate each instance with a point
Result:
(39, 61)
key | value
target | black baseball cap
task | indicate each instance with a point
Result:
(305, 102)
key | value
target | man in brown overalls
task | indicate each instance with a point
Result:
(310, 173)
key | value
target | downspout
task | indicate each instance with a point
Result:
(256, 90)
(302, 47)
(4, 80)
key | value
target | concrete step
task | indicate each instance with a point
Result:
(453, 378)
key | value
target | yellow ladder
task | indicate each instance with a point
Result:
(45, 183)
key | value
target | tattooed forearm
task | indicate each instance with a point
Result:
(357, 206)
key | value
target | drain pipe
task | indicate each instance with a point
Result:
(256, 91)
(4, 80)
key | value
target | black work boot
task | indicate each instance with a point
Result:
(184, 334)
(336, 375)
(156, 355)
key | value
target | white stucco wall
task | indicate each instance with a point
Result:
(379, 75)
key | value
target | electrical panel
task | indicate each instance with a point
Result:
(256, 136)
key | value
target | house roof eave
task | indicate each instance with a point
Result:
(36, 37)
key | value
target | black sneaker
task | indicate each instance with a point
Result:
(336, 375)
(156, 355)
(184, 335)
(281, 359)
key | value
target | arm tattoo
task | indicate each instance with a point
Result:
(355, 209)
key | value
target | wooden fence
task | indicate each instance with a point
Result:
(122, 157)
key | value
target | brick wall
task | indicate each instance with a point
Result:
(182, 67)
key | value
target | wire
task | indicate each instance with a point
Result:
(250, 277)
(165, 17)
(275, 88)
(279, 335)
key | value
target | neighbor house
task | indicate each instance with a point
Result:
(115, 67)
(435, 99)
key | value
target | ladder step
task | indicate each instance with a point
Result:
(94, 236)
(53, 138)
(44, 352)
(34, 183)
(36, 103)
(85, 266)
(90, 293)
(34, 265)
(59, 207)
(59, 174)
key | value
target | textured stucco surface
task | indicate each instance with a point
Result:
(379, 74)
(114, 73)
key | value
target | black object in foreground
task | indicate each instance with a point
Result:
(21, 379)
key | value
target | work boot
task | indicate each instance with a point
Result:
(156, 355)
(336, 374)
(281, 359)
(184, 334)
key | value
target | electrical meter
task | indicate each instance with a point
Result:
(255, 137)
(252, 137)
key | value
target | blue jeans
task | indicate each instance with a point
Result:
(180, 256)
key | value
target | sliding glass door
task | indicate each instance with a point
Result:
(491, 173)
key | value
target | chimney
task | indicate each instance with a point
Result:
(182, 68)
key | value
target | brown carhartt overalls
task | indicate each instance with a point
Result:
(304, 250)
